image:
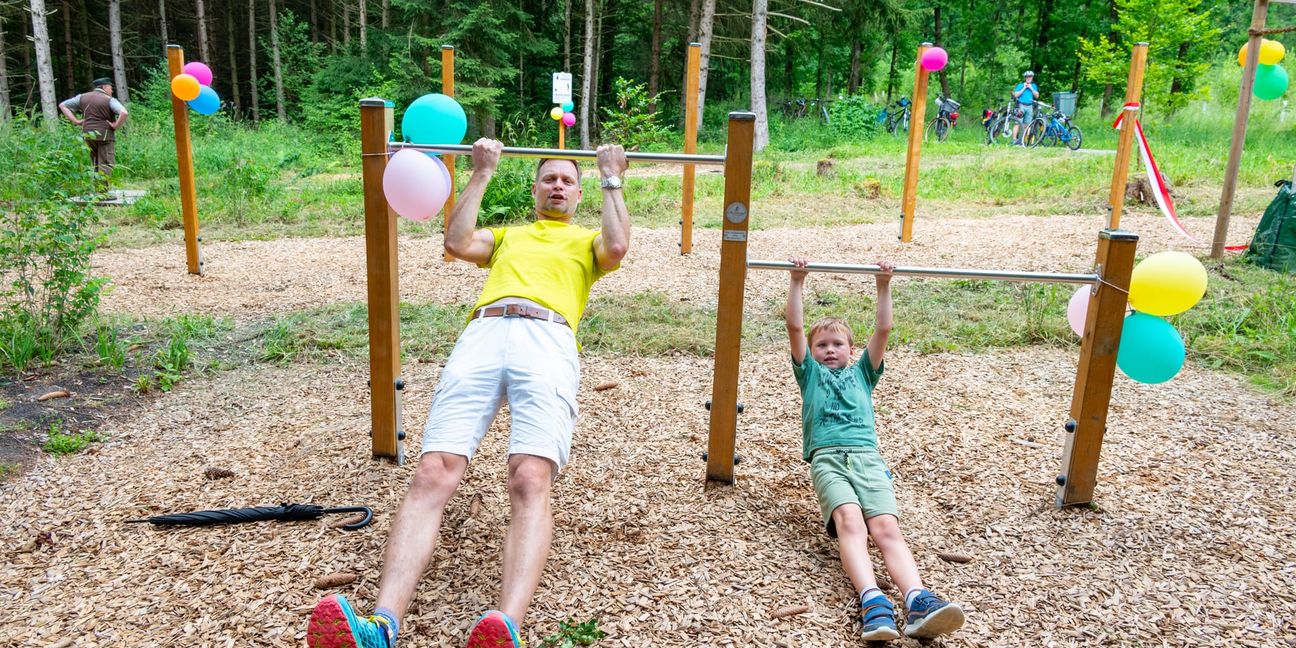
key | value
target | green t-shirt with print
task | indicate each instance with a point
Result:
(836, 404)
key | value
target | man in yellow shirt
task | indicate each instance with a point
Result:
(519, 345)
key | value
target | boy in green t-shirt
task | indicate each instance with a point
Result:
(850, 478)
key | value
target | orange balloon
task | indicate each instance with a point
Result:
(185, 87)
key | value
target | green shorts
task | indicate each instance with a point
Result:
(851, 476)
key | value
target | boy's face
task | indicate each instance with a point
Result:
(557, 190)
(831, 348)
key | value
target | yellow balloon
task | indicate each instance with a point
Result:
(1271, 52)
(185, 87)
(555, 114)
(1242, 56)
(1167, 283)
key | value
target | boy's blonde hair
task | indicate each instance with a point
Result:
(830, 324)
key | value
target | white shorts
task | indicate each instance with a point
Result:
(531, 363)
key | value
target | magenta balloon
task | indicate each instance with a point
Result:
(934, 59)
(569, 119)
(414, 185)
(199, 71)
(1078, 308)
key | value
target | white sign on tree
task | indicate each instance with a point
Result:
(562, 87)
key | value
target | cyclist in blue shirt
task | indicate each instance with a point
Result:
(1025, 94)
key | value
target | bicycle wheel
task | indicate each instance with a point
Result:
(1075, 137)
(996, 133)
(937, 128)
(1034, 133)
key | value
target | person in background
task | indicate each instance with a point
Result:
(1025, 95)
(101, 116)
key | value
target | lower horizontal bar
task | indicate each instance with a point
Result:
(563, 154)
(934, 273)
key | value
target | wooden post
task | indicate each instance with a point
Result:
(185, 167)
(1259, 14)
(448, 89)
(729, 308)
(916, 120)
(385, 384)
(562, 135)
(1097, 368)
(1125, 142)
(690, 145)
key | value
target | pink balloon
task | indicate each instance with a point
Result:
(934, 59)
(1078, 308)
(415, 186)
(569, 119)
(199, 71)
(445, 175)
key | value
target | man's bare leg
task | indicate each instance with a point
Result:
(526, 548)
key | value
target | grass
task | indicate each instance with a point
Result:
(61, 443)
(9, 469)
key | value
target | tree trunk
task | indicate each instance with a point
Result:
(69, 74)
(654, 65)
(252, 55)
(118, 56)
(44, 68)
(162, 23)
(895, 48)
(1112, 37)
(587, 70)
(87, 53)
(278, 65)
(944, 79)
(332, 26)
(692, 38)
(602, 66)
(4, 74)
(566, 35)
(386, 14)
(364, 26)
(1045, 15)
(203, 50)
(819, 69)
(233, 60)
(1177, 83)
(853, 84)
(705, 27)
(760, 14)
(314, 12)
(346, 25)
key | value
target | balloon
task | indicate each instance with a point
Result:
(1167, 283)
(415, 185)
(434, 119)
(569, 119)
(445, 175)
(556, 114)
(1270, 81)
(1271, 52)
(199, 71)
(185, 87)
(1151, 350)
(1242, 55)
(934, 59)
(568, 106)
(1077, 308)
(207, 101)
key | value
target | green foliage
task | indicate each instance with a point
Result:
(45, 243)
(9, 469)
(854, 118)
(60, 443)
(629, 123)
(646, 324)
(508, 196)
(109, 346)
(571, 634)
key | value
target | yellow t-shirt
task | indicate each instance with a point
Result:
(549, 262)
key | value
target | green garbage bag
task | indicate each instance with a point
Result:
(1274, 243)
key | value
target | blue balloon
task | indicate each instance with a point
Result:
(434, 119)
(567, 106)
(206, 103)
(1151, 350)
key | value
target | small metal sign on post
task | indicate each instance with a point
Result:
(562, 93)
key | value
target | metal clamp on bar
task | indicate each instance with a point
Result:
(562, 154)
(935, 273)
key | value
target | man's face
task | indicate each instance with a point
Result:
(556, 191)
(831, 348)
(1030, 79)
(107, 88)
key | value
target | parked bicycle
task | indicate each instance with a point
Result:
(999, 125)
(1052, 127)
(799, 108)
(895, 118)
(944, 121)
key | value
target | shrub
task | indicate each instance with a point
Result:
(630, 124)
(854, 117)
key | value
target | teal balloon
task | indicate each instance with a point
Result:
(434, 119)
(567, 106)
(1151, 350)
(206, 103)
(1270, 82)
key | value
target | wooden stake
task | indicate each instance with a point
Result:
(562, 135)
(1259, 13)
(448, 89)
(914, 152)
(1125, 142)
(733, 279)
(1097, 368)
(184, 164)
(384, 289)
(690, 145)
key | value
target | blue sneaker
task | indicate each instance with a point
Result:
(333, 624)
(930, 616)
(494, 630)
(878, 616)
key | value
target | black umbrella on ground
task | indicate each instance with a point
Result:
(289, 512)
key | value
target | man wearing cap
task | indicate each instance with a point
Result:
(1025, 95)
(101, 116)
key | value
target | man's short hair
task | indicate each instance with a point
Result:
(100, 82)
(541, 164)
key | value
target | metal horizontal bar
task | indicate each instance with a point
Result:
(563, 154)
(935, 273)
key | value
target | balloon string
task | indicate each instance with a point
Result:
(1112, 285)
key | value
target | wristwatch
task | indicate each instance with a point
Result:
(613, 182)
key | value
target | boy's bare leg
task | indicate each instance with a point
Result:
(414, 532)
(900, 564)
(852, 544)
(526, 548)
